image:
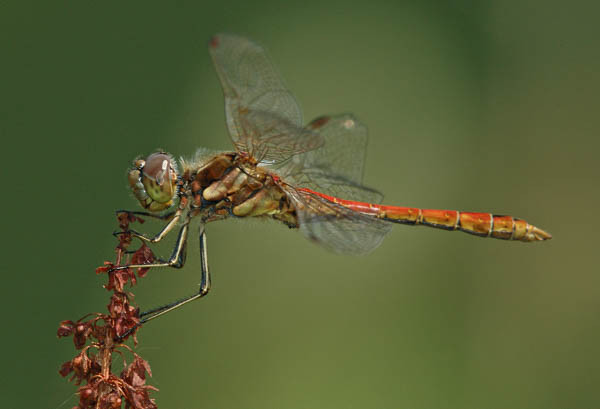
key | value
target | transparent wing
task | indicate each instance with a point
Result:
(336, 227)
(271, 139)
(335, 168)
(263, 117)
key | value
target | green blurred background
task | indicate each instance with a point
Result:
(471, 105)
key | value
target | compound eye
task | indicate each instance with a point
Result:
(157, 166)
(159, 177)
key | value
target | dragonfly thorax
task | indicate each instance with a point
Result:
(228, 184)
(154, 181)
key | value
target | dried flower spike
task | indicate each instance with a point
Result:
(98, 336)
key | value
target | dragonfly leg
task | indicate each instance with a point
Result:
(202, 291)
(177, 259)
(165, 216)
(174, 218)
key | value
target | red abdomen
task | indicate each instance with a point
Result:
(479, 224)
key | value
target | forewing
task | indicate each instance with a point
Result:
(263, 117)
(272, 139)
(334, 226)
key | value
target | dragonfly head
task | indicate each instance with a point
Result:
(154, 181)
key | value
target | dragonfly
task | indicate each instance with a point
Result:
(309, 177)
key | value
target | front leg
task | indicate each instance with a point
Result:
(173, 218)
(165, 216)
(177, 259)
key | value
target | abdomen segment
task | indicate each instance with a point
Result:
(479, 224)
